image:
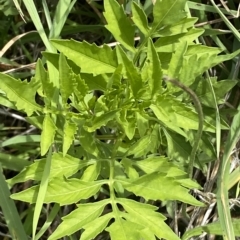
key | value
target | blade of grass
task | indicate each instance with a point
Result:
(207, 8)
(21, 139)
(222, 199)
(62, 11)
(223, 179)
(19, 9)
(47, 14)
(31, 8)
(41, 193)
(48, 222)
(227, 22)
(10, 211)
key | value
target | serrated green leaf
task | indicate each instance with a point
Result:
(142, 124)
(167, 12)
(202, 49)
(89, 57)
(92, 172)
(89, 142)
(181, 113)
(124, 230)
(176, 62)
(223, 58)
(169, 109)
(128, 122)
(206, 59)
(100, 105)
(69, 131)
(129, 169)
(192, 35)
(145, 215)
(154, 70)
(21, 93)
(115, 79)
(48, 134)
(160, 164)
(66, 79)
(188, 74)
(42, 77)
(118, 24)
(60, 166)
(140, 148)
(98, 82)
(68, 192)
(170, 43)
(36, 121)
(102, 120)
(140, 18)
(99, 225)
(81, 89)
(132, 73)
(164, 118)
(84, 214)
(180, 27)
(156, 186)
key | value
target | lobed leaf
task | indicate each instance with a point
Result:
(21, 93)
(92, 172)
(127, 121)
(48, 134)
(168, 12)
(77, 219)
(69, 131)
(174, 111)
(42, 77)
(157, 186)
(60, 166)
(89, 142)
(124, 230)
(145, 215)
(146, 144)
(118, 24)
(164, 118)
(140, 19)
(175, 65)
(180, 27)
(154, 70)
(102, 120)
(87, 55)
(66, 79)
(129, 169)
(81, 89)
(131, 71)
(142, 124)
(159, 164)
(99, 225)
(68, 192)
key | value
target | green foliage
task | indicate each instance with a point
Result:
(116, 143)
(7, 7)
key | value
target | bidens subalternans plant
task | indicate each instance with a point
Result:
(131, 143)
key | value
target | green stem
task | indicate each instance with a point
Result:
(198, 108)
(112, 177)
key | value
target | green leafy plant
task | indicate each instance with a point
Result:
(120, 133)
